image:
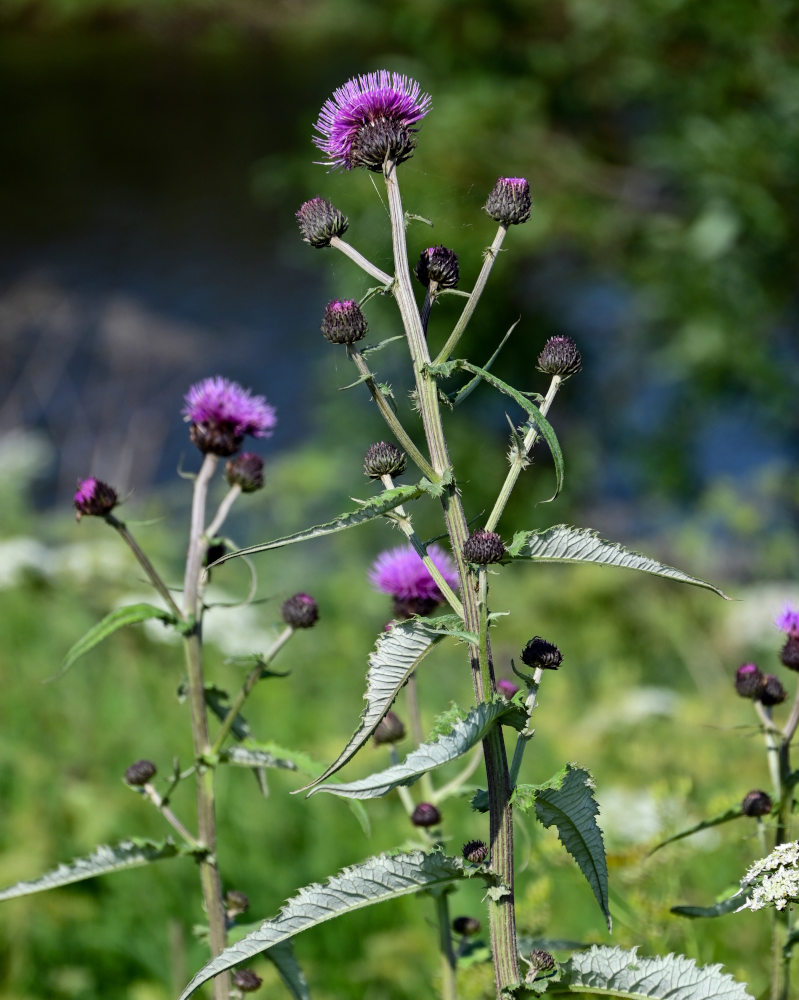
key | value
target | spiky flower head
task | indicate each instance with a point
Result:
(246, 980)
(748, 680)
(390, 729)
(245, 471)
(94, 498)
(384, 459)
(343, 322)
(440, 265)
(371, 119)
(466, 926)
(319, 222)
(560, 357)
(788, 620)
(300, 611)
(140, 772)
(475, 851)
(425, 814)
(483, 547)
(772, 692)
(221, 412)
(540, 653)
(756, 803)
(509, 202)
(401, 573)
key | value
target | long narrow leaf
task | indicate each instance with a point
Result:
(734, 813)
(131, 614)
(375, 881)
(463, 736)
(368, 510)
(720, 909)
(396, 655)
(288, 968)
(248, 757)
(563, 543)
(107, 858)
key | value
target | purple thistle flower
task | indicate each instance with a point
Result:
(370, 119)
(788, 620)
(507, 688)
(221, 413)
(401, 573)
(94, 497)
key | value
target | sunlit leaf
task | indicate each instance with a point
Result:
(131, 614)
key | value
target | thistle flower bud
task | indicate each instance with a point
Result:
(389, 730)
(540, 653)
(789, 654)
(475, 851)
(236, 903)
(560, 357)
(507, 688)
(93, 497)
(440, 265)
(756, 803)
(246, 980)
(509, 202)
(245, 471)
(772, 692)
(748, 681)
(319, 222)
(300, 611)
(466, 926)
(384, 459)
(343, 322)
(140, 772)
(483, 547)
(425, 814)
(541, 961)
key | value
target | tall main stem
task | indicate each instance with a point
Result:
(206, 820)
(502, 912)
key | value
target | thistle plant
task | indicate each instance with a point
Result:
(440, 591)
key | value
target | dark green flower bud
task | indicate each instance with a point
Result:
(540, 653)
(300, 611)
(384, 459)
(509, 203)
(440, 265)
(343, 322)
(466, 926)
(560, 357)
(483, 547)
(756, 803)
(246, 471)
(140, 772)
(425, 814)
(772, 692)
(475, 851)
(246, 980)
(389, 730)
(319, 222)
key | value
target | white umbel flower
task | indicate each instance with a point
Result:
(774, 880)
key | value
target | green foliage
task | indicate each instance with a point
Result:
(132, 614)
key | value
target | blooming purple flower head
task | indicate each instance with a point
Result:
(94, 497)
(507, 688)
(788, 620)
(221, 413)
(370, 120)
(401, 573)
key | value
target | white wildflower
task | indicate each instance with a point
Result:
(774, 880)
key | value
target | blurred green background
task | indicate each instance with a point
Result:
(153, 157)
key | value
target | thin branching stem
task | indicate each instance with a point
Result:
(223, 510)
(361, 261)
(152, 574)
(151, 793)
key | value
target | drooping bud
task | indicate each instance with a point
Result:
(319, 222)
(389, 730)
(789, 655)
(772, 692)
(440, 265)
(300, 611)
(425, 814)
(475, 851)
(560, 357)
(748, 681)
(756, 803)
(509, 202)
(540, 653)
(93, 497)
(466, 926)
(245, 471)
(236, 903)
(384, 459)
(343, 322)
(246, 980)
(507, 688)
(140, 772)
(483, 547)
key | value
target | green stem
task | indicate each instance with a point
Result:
(360, 260)
(449, 988)
(145, 564)
(223, 510)
(151, 793)
(491, 255)
(521, 460)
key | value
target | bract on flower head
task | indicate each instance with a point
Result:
(94, 497)
(371, 119)
(221, 412)
(401, 573)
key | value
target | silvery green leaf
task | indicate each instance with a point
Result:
(375, 881)
(394, 658)
(604, 971)
(563, 543)
(243, 756)
(131, 614)
(104, 859)
(462, 737)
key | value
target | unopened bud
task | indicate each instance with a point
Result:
(772, 692)
(94, 498)
(300, 611)
(467, 926)
(384, 459)
(236, 902)
(483, 547)
(475, 851)
(540, 653)
(246, 980)
(756, 803)
(440, 265)
(509, 202)
(343, 322)
(319, 222)
(245, 471)
(748, 681)
(425, 814)
(389, 730)
(140, 772)
(789, 654)
(560, 357)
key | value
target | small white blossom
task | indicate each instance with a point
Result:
(774, 880)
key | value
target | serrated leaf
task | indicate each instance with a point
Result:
(464, 734)
(131, 614)
(567, 802)
(375, 881)
(465, 391)
(563, 543)
(250, 757)
(612, 971)
(107, 858)
(536, 416)
(451, 625)
(705, 824)
(297, 759)
(367, 511)
(394, 658)
(288, 968)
